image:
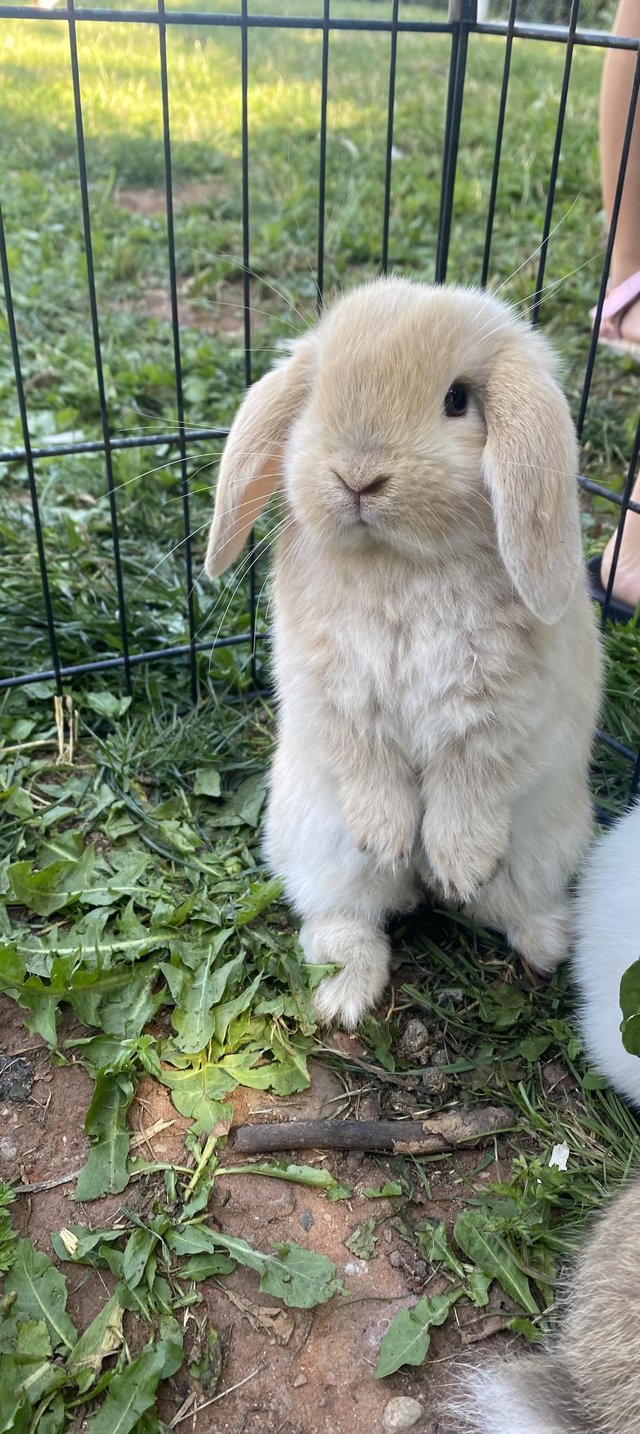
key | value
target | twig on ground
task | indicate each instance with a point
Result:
(446, 1131)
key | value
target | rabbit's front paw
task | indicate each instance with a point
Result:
(462, 860)
(384, 825)
(361, 950)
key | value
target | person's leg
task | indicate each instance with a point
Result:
(615, 94)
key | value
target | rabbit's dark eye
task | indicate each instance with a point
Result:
(456, 401)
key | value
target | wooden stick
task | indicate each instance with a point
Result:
(446, 1131)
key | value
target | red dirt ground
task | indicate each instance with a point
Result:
(309, 1372)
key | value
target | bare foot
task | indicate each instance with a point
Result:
(626, 585)
(630, 324)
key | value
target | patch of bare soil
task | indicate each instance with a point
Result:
(148, 202)
(223, 314)
(296, 1372)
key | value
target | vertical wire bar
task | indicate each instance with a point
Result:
(28, 456)
(177, 356)
(246, 276)
(624, 157)
(322, 175)
(97, 349)
(465, 17)
(453, 62)
(624, 508)
(495, 173)
(246, 286)
(384, 261)
(635, 780)
(555, 162)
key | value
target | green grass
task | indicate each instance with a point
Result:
(122, 113)
(169, 856)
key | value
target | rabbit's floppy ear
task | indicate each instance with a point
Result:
(530, 467)
(251, 462)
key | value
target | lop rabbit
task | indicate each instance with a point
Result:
(589, 1380)
(436, 658)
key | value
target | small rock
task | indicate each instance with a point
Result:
(16, 1078)
(277, 1208)
(356, 1267)
(433, 1081)
(454, 995)
(440, 1057)
(299, 1381)
(395, 1260)
(401, 1413)
(354, 1161)
(307, 1221)
(400, 1102)
(554, 1074)
(416, 1043)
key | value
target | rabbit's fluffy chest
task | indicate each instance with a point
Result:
(419, 657)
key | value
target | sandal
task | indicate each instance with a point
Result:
(616, 611)
(615, 306)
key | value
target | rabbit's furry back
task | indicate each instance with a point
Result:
(589, 1380)
(435, 714)
(607, 927)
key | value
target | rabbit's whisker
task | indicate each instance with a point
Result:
(172, 550)
(540, 246)
(240, 573)
(236, 586)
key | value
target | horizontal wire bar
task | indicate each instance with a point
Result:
(615, 745)
(590, 487)
(195, 17)
(557, 34)
(157, 654)
(96, 445)
(552, 33)
(196, 435)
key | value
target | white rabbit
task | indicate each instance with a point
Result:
(436, 657)
(607, 926)
(589, 1380)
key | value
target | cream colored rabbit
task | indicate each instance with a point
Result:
(589, 1381)
(436, 658)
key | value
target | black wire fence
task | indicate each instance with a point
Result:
(461, 26)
